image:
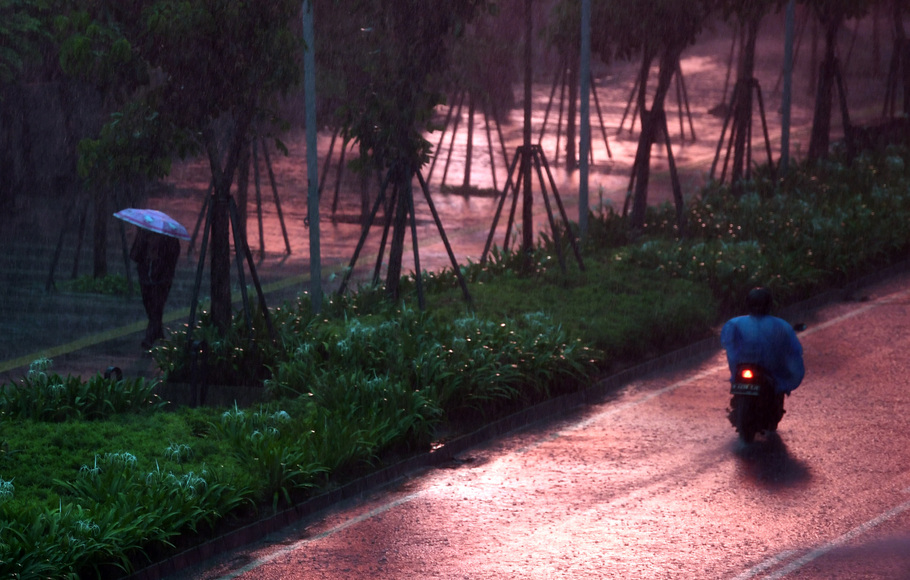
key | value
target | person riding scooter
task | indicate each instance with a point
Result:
(765, 340)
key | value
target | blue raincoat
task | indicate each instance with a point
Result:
(769, 342)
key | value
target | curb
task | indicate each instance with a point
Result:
(548, 410)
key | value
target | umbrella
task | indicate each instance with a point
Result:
(155, 221)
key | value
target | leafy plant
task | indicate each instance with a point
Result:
(46, 396)
(813, 228)
(274, 448)
(230, 357)
(129, 508)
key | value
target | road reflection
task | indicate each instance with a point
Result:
(888, 557)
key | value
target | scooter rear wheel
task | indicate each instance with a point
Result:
(744, 417)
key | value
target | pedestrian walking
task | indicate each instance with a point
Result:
(156, 261)
(155, 250)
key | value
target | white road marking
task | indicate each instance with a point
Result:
(769, 563)
(856, 312)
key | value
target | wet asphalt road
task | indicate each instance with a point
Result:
(653, 483)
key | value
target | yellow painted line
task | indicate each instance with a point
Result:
(83, 342)
(170, 316)
(128, 329)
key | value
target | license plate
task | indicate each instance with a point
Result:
(751, 390)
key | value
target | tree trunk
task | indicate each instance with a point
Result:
(402, 189)
(650, 126)
(821, 122)
(366, 175)
(813, 60)
(902, 43)
(743, 112)
(641, 168)
(243, 188)
(99, 231)
(905, 58)
(571, 155)
(220, 265)
(101, 194)
(470, 145)
(10, 181)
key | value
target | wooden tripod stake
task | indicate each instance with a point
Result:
(401, 204)
(534, 156)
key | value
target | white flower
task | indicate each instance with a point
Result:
(6, 488)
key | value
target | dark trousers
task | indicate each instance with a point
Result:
(154, 296)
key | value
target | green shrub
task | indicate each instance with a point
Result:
(274, 449)
(825, 224)
(45, 396)
(113, 510)
(238, 356)
(461, 364)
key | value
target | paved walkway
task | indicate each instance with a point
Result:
(85, 334)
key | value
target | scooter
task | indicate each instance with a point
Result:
(756, 406)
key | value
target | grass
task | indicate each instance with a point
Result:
(111, 285)
(367, 380)
(623, 312)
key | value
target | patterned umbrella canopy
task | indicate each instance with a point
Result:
(155, 221)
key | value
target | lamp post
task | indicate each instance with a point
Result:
(309, 86)
(585, 114)
(527, 216)
(787, 96)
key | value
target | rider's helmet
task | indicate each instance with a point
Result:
(758, 301)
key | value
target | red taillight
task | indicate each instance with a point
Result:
(746, 374)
